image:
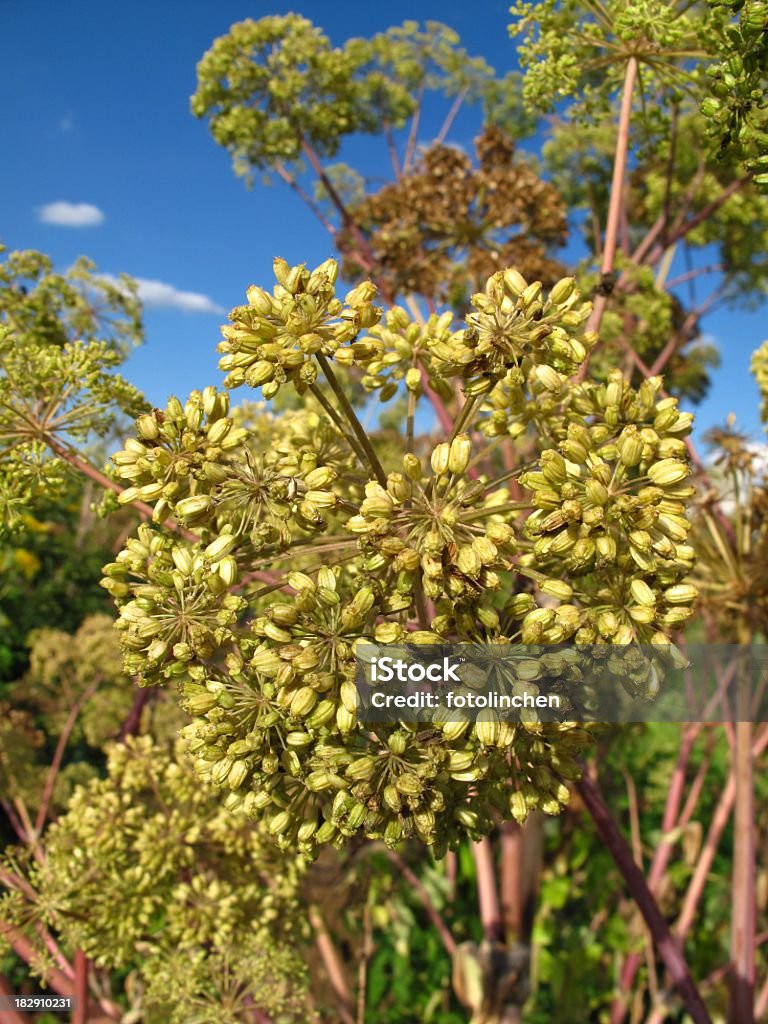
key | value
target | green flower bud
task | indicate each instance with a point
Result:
(459, 454)
(642, 593)
(518, 806)
(667, 472)
(681, 593)
(439, 459)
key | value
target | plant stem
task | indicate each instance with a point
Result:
(426, 901)
(617, 190)
(619, 849)
(80, 1016)
(339, 422)
(464, 416)
(354, 422)
(451, 115)
(487, 894)
(12, 1016)
(59, 754)
(333, 965)
(741, 1005)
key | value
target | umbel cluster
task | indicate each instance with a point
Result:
(283, 539)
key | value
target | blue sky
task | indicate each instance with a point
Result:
(96, 112)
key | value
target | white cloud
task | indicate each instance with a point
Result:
(160, 295)
(71, 215)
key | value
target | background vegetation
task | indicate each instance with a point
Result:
(223, 841)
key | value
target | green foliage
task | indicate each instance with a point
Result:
(61, 336)
(146, 872)
(50, 567)
(578, 52)
(273, 86)
(737, 109)
(80, 670)
(759, 367)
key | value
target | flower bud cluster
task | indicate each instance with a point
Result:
(610, 524)
(274, 338)
(759, 368)
(515, 326)
(175, 452)
(439, 532)
(192, 880)
(589, 545)
(398, 350)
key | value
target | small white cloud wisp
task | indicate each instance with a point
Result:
(160, 295)
(71, 215)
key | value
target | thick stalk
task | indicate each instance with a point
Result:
(333, 966)
(339, 422)
(11, 1016)
(451, 116)
(80, 1016)
(665, 944)
(364, 249)
(617, 191)
(132, 721)
(487, 894)
(660, 860)
(741, 1006)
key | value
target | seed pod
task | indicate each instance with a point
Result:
(667, 472)
(557, 588)
(392, 799)
(262, 372)
(453, 728)
(345, 720)
(549, 378)
(147, 427)
(487, 727)
(326, 833)
(460, 760)
(194, 509)
(469, 819)
(459, 453)
(298, 739)
(518, 806)
(681, 593)
(238, 774)
(642, 593)
(303, 702)
(361, 769)
(468, 561)
(259, 300)
(409, 784)
(201, 703)
(412, 466)
(413, 380)
(562, 291)
(279, 824)
(223, 545)
(514, 281)
(439, 458)
(397, 743)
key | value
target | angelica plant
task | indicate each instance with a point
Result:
(304, 544)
